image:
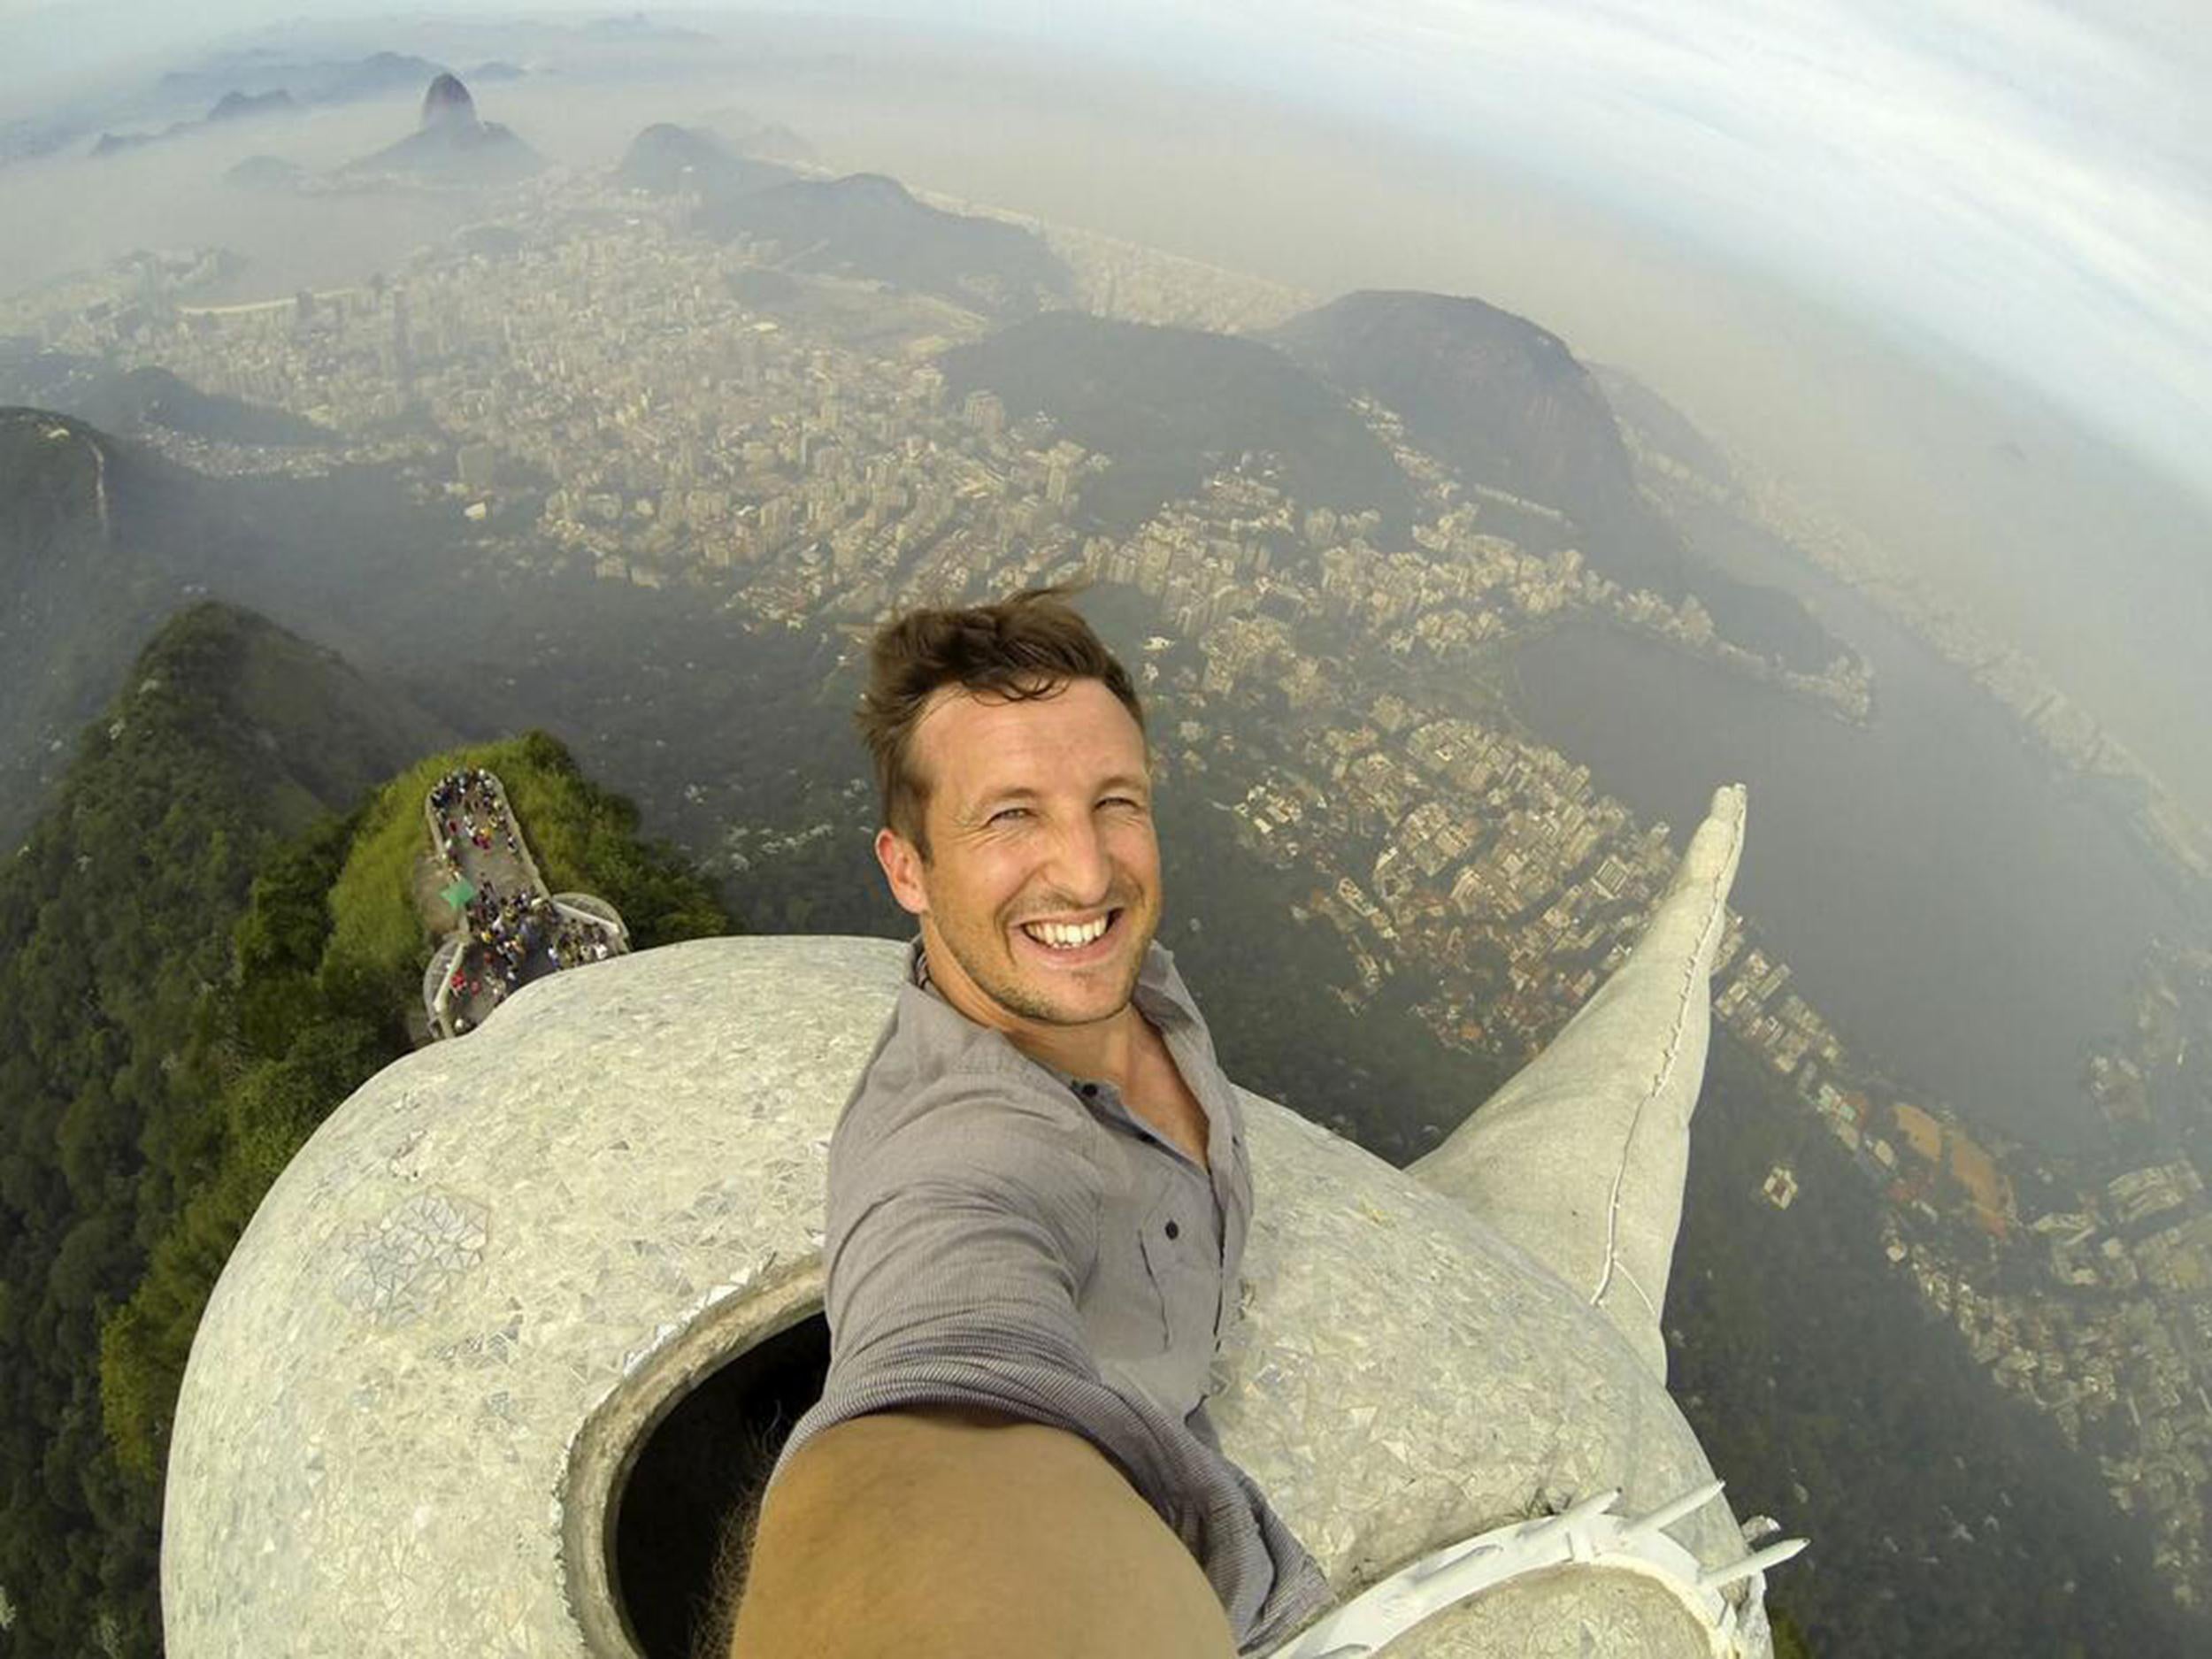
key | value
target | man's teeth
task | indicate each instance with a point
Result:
(1064, 935)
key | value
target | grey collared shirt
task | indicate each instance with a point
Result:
(999, 1234)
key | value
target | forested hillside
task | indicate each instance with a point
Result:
(82, 582)
(114, 920)
(208, 941)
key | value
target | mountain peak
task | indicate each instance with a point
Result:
(447, 104)
(234, 105)
(452, 146)
(54, 474)
(873, 186)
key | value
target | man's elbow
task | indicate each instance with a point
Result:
(942, 1532)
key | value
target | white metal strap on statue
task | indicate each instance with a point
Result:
(1588, 1534)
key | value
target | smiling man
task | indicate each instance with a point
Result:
(1038, 1202)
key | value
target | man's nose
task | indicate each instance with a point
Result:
(1079, 866)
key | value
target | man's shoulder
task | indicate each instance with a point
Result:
(940, 1085)
(929, 1048)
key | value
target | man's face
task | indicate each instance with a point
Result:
(1040, 819)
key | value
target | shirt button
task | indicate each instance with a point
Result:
(1174, 1232)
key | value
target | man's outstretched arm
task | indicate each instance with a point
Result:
(942, 1532)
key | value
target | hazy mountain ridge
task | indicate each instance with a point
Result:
(228, 110)
(1170, 405)
(1661, 427)
(775, 141)
(251, 88)
(1507, 405)
(265, 173)
(122, 401)
(485, 153)
(1504, 402)
(51, 480)
(866, 224)
(233, 106)
(308, 80)
(665, 159)
(308, 727)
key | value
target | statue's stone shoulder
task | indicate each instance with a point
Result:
(419, 1382)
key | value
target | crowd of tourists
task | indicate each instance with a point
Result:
(511, 935)
(506, 929)
(470, 808)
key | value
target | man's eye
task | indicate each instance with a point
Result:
(1008, 812)
(1123, 800)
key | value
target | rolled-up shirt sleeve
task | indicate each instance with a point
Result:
(956, 1254)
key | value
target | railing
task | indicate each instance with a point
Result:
(585, 909)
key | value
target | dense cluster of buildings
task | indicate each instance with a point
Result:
(1490, 870)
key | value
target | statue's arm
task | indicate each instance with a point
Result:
(934, 1533)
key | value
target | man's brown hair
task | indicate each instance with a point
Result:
(1031, 645)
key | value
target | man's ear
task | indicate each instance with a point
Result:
(902, 869)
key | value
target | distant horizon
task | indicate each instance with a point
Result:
(2013, 181)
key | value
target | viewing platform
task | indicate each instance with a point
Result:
(507, 929)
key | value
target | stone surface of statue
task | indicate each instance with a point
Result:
(426, 1372)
